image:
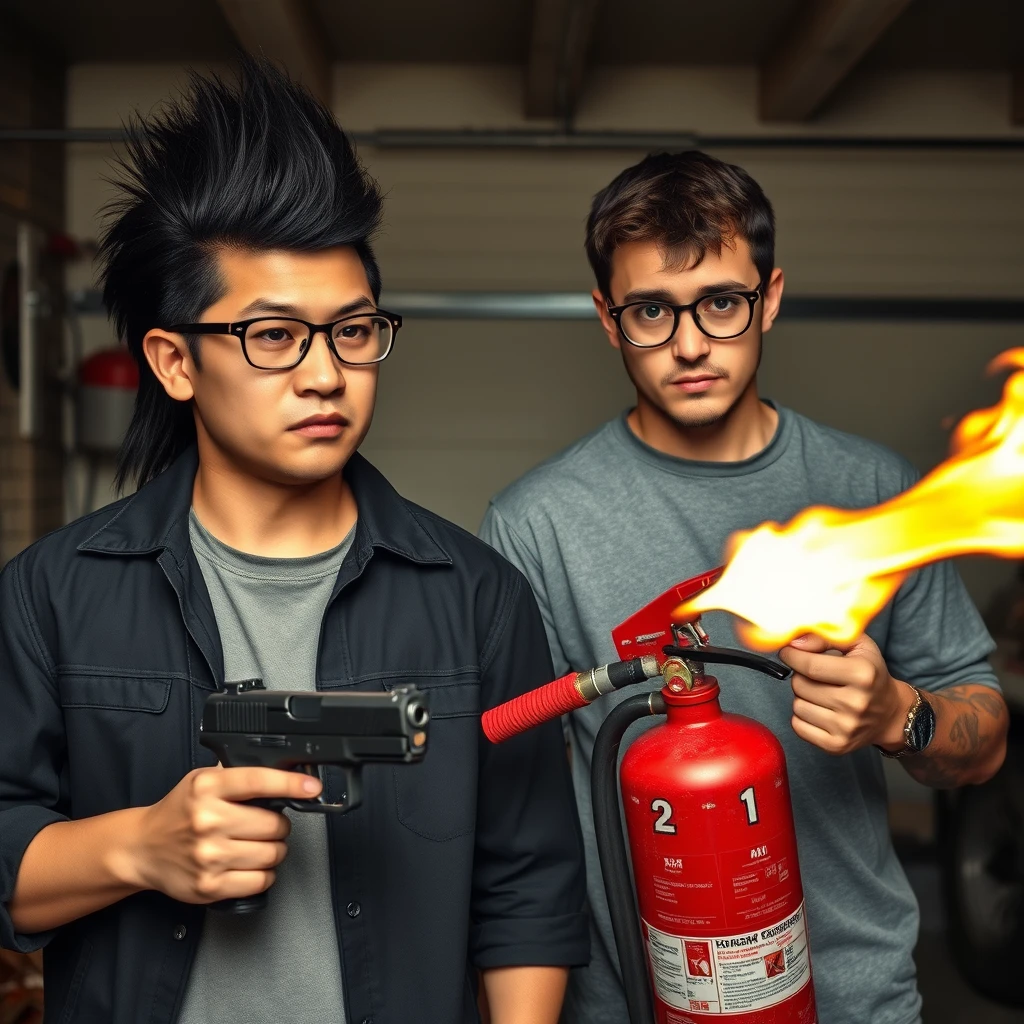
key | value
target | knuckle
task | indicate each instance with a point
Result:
(863, 674)
(836, 745)
(204, 820)
(203, 781)
(207, 885)
(206, 853)
(858, 702)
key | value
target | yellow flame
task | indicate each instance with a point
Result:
(830, 571)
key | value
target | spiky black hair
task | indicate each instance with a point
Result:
(255, 164)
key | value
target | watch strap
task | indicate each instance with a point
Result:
(919, 706)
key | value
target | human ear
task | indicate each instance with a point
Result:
(772, 300)
(610, 327)
(171, 362)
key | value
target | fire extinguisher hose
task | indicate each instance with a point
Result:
(611, 848)
(532, 708)
(575, 690)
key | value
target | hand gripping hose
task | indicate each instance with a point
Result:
(557, 698)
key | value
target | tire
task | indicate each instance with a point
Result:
(983, 880)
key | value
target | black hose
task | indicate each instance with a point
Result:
(611, 848)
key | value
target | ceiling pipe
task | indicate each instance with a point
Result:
(463, 305)
(472, 139)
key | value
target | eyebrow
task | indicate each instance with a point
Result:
(272, 308)
(661, 295)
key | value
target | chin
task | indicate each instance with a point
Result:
(301, 469)
(698, 412)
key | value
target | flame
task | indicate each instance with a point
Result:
(838, 568)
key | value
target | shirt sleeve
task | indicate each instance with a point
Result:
(936, 635)
(31, 745)
(497, 531)
(528, 875)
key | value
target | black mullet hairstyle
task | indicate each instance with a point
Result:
(254, 164)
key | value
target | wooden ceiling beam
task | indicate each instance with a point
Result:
(1017, 96)
(823, 45)
(284, 31)
(560, 39)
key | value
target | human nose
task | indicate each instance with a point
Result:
(689, 343)
(319, 371)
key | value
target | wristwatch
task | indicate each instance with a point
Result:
(919, 729)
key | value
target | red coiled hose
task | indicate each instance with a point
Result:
(530, 709)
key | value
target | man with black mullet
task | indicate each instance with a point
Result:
(238, 268)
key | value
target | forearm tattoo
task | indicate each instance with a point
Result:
(968, 718)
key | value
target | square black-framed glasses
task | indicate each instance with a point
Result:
(242, 328)
(693, 308)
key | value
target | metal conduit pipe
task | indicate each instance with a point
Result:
(426, 139)
(457, 305)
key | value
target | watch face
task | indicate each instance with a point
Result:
(923, 729)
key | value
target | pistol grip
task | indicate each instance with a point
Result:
(241, 905)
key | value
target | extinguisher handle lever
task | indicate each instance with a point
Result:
(729, 656)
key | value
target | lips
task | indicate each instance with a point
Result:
(326, 426)
(329, 420)
(698, 382)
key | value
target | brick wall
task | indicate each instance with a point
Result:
(32, 94)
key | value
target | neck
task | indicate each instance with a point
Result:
(741, 433)
(270, 519)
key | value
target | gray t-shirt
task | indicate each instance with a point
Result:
(609, 524)
(283, 963)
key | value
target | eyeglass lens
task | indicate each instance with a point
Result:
(275, 343)
(721, 316)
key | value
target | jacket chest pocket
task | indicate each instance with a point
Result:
(436, 798)
(127, 740)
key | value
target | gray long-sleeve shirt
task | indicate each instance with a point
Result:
(609, 524)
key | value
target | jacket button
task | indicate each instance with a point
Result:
(366, 1020)
(354, 910)
(180, 931)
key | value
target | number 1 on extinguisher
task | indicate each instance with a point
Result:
(747, 799)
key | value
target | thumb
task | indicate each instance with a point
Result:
(810, 642)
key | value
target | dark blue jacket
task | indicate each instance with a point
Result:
(471, 859)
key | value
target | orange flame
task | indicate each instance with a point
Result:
(843, 566)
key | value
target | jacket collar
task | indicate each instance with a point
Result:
(155, 518)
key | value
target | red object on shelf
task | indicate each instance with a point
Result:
(107, 383)
(109, 368)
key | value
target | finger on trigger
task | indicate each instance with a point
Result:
(254, 783)
(819, 668)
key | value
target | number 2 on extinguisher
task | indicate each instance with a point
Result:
(664, 823)
(747, 799)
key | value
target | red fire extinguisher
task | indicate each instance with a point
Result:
(716, 927)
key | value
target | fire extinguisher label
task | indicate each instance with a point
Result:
(731, 973)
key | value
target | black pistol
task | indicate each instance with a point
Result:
(247, 725)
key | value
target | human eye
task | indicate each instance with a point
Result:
(272, 333)
(721, 305)
(652, 312)
(353, 332)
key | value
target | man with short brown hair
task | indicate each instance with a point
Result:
(682, 247)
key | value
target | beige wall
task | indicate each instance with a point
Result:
(467, 406)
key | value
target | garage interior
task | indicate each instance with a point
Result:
(889, 135)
